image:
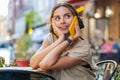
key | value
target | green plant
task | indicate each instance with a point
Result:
(117, 73)
(31, 18)
(2, 61)
(22, 45)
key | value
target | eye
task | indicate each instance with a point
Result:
(57, 18)
(67, 16)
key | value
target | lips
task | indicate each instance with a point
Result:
(63, 28)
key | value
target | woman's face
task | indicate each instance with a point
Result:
(62, 18)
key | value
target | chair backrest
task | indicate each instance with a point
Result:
(106, 69)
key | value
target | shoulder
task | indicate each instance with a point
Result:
(51, 38)
(81, 47)
(82, 43)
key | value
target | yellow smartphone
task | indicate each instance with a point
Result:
(71, 27)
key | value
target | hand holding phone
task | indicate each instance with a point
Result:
(72, 28)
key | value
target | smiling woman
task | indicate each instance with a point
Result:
(66, 57)
(4, 7)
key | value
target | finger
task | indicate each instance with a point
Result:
(53, 24)
(78, 30)
(53, 20)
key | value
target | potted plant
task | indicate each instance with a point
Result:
(21, 50)
(2, 61)
(23, 44)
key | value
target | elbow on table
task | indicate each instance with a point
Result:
(33, 65)
(44, 67)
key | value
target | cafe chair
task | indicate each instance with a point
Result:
(106, 69)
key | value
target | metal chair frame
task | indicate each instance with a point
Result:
(107, 69)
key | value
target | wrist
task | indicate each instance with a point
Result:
(61, 38)
(71, 38)
(70, 41)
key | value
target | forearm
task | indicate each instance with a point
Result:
(53, 56)
(41, 53)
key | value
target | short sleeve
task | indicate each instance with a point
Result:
(81, 50)
(51, 38)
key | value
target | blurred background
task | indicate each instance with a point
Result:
(24, 25)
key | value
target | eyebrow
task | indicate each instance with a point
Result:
(67, 14)
(63, 15)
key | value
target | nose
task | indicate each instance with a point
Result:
(62, 20)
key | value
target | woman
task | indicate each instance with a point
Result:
(68, 58)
